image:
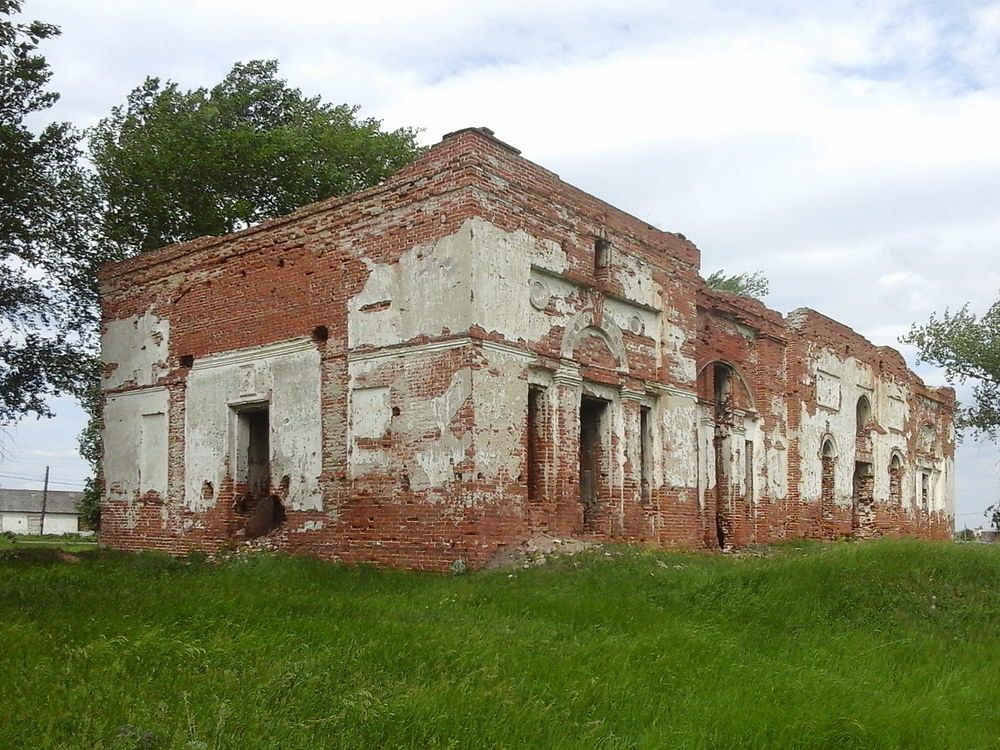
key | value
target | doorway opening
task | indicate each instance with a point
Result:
(535, 454)
(254, 445)
(592, 417)
(645, 455)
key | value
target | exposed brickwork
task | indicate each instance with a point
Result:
(422, 349)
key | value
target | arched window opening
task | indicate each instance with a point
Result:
(863, 414)
(828, 449)
(829, 467)
(827, 483)
(722, 377)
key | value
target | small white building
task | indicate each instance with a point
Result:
(21, 512)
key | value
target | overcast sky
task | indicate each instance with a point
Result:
(850, 150)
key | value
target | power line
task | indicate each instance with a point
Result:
(26, 462)
(37, 479)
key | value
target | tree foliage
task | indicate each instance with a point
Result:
(175, 165)
(47, 209)
(967, 347)
(753, 284)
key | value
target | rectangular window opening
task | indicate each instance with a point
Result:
(602, 253)
(748, 471)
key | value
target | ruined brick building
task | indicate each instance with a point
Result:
(475, 352)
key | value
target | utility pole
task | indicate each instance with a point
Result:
(45, 498)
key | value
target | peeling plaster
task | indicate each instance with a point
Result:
(437, 460)
(135, 350)
(426, 293)
(637, 282)
(679, 415)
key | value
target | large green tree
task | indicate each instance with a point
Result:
(47, 209)
(967, 348)
(175, 164)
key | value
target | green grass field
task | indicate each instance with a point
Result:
(65, 542)
(886, 644)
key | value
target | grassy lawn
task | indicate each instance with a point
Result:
(65, 542)
(886, 644)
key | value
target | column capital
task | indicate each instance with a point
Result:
(630, 394)
(568, 373)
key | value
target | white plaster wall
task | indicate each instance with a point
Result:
(774, 454)
(138, 346)
(500, 400)
(286, 376)
(371, 414)
(706, 453)
(61, 523)
(127, 450)
(437, 460)
(851, 379)
(17, 523)
(486, 276)
(504, 265)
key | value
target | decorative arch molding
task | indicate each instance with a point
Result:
(582, 325)
(828, 440)
(752, 405)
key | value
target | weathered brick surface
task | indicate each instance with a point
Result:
(423, 310)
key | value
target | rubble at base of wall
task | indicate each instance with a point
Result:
(537, 550)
